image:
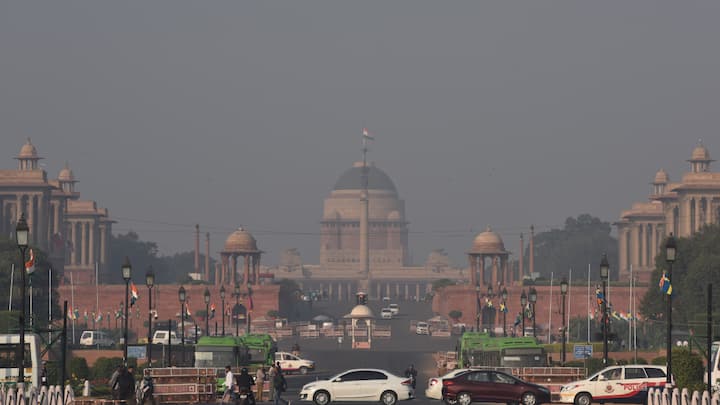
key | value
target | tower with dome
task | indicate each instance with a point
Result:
(681, 208)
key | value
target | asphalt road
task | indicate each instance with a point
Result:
(393, 355)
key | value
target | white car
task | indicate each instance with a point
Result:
(394, 308)
(364, 385)
(422, 328)
(292, 363)
(627, 383)
(95, 338)
(386, 313)
(435, 384)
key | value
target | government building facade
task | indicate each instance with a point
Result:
(681, 208)
(74, 232)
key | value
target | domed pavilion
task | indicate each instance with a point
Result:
(488, 245)
(240, 243)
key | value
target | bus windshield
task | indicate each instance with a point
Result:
(10, 358)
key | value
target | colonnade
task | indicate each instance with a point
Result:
(229, 269)
(346, 290)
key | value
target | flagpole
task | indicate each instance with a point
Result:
(49, 303)
(550, 309)
(97, 295)
(12, 278)
(630, 341)
(588, 305)
(72, 299)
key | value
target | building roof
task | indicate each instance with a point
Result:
(488, 242)
(66, 174)
(28, 151)
(700, 154)
(360, 312)
(351, 179)
(240, 241)
(661, 177)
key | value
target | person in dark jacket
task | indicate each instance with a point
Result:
(279, 386)
(126, 386)
(245, 383)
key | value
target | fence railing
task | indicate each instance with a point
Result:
(52, 395)
(659, 396)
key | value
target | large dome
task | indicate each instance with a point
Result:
(240, 241)
(661, 177)
(66, 174)
(352, 179)
(488, 242)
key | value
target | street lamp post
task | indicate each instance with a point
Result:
(670, 252)
(604, 274)
(207, 311)
(248, 315)
(504, 295)
(563, 292)
(222, 306)
(533, 300)
(477, 307)
(182, 296)
(236, 292)
(126, 274)
(22, 234)
(150, 282)
(491, 309)
(523, 303)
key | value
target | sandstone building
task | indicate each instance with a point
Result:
(681, 208)
(74, 232)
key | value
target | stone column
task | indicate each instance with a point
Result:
(246, 268)
(72, 237)
(417, 292)
(340, 292)
(84, 243)
(407, 292)
(387, 289)
(684, 219)
(641, 244)
(103, 246)
(257, 269)
(622, 251)
(482, 270)
(531, 257)
(234, 269)
(508, 276)
(397, 290)
(472, 261)
(91, 242)
(495, 270)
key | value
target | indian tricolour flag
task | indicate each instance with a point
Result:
(134, 296)
(366, 134)
(30, 264)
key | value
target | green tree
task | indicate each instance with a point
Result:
(696, 264)
(688, 369)
(455, 315)
(583, 240)
(443, 282)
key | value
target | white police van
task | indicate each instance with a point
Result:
(628, 383)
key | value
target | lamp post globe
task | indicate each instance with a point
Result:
(22, 237)
(604, 275)
(670, 256)
(206, 296)
(150, 283)
(126, 275)
(533, 299)
(523, 303)
(182, 297)
(222, 307)
(563, 292)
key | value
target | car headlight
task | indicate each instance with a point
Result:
(566, 388)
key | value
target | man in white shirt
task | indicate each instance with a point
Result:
(229, 385)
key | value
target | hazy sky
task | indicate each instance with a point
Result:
(223, 113)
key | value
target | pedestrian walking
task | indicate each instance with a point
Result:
(114, 388)
(271, 377)
(260, 383)
(147, 389)
(229, 385)
(126, 386)
(44, 374)
(280, 386)
(411, 373)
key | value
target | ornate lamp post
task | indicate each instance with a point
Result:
(236, 293)
(207, 311)
(504, 296)
(533, 300)
(126, 274)
(22, 236)
(477, 308)
(222, 303)
(491, 309)
(563, 292)
(523, 303)
(604, 274)
(182, 296)
(248, 315)
(150, 282)
(670, 252)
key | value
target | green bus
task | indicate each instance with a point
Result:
(476, 349)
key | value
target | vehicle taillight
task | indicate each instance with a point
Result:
(448, 382)
(406, 382)
(433, 381)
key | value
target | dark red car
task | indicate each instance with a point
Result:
(492, 386)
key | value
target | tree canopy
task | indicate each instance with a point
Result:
(696, 265)
(582, 241)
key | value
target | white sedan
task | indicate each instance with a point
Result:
(435, 384)
(366, 384)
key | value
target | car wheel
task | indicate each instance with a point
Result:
(528, 398)
(583, 399)
(449, 401)
(388, 398)
(463, 398)
(321, 398)
(303, 370)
